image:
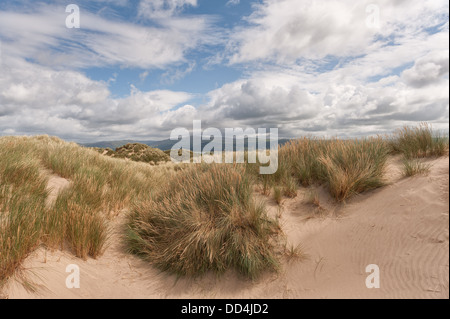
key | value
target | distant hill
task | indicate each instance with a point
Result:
(163, 145)
(107, 144)
(116, 144)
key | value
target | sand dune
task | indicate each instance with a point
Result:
(403, 228)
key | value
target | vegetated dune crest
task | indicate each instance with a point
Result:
(403, 228)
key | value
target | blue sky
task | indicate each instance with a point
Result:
(137, 69)
(199, 77)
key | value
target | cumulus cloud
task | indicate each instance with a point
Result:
(38, 100)
(335, 102)
(252, 102)
(428, 70)
(286, 31)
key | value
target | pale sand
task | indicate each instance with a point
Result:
(55, 185)
(403, 228)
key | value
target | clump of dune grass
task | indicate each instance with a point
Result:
(293, 253)
(205, 220)
(290, 187)
(413, 167)
(299, 158)
(354, 166)
(136, 152)
(415, 143)
(277, 194)
(76, 223)
(347, 167)
(22, 205)
(141, 153)
(419, 142)
(312, 197)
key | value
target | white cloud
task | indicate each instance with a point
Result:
(337, 102)
(38, 100)
(428, 70)
(286, 31)
(231, 3)
(143, 75)
(157, 9)
(255, 101)
(43, 37)
(316, 67)
(119, 3)
(175, 74)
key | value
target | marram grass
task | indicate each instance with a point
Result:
(205, 220)
(78, 219)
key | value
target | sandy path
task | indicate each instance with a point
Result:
(403, 228)
(55, 185)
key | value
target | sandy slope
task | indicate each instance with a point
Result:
(403, 228)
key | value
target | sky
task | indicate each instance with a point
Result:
(137, 69)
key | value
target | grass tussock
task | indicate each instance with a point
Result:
(353, 167)
(136, 152)
(290, 187)
(300, 159)
(347, 167)
(419, 142)
(277, 195)
(293, 253)
(312, 197)
(413, 167)
(141, 153)
(416, 143)
(205, 220)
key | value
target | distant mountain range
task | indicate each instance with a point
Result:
(164, 145)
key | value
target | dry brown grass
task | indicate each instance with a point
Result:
(347, 167)
(419, 142)
(205, 220)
